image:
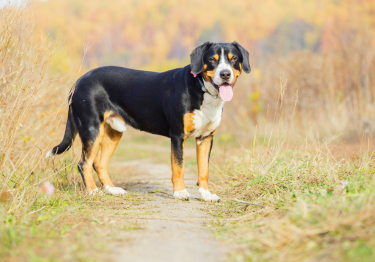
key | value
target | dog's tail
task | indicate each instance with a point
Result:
(70, 134)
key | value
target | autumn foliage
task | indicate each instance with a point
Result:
(324, 49)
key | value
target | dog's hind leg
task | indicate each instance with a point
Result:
(108, 145)
(90, 144)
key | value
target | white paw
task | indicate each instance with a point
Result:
(114, 190)
(96, 192)
(207, 196)
(183, 195)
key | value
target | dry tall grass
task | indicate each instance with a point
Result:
(316, 205)
(33, 103)
(299, 203)
(27, 117)
(336, 91)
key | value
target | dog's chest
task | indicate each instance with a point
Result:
(208, 117)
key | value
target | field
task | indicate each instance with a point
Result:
(293, 159)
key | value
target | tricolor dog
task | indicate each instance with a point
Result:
(181, 103)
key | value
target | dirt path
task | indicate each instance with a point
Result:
(175, 230)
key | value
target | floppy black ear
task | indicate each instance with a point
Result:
(196, 57)
(245, 57)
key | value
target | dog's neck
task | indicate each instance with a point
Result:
(211, 89)
(207, 86)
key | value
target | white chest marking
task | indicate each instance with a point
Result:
(208, 117)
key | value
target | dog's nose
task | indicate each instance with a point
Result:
(225, 74)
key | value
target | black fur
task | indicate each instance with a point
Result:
(152, 102)
(70, 134)
(245, 57)
(196, 57)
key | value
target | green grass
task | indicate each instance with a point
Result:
(67, 226)
(316, 208)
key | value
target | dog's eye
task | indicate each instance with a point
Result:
(234, 59)
(212, 60)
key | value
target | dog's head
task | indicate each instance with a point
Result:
(221, 65)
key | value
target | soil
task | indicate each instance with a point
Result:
(172, 230)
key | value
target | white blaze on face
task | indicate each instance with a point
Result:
(223, 64)
(225, 89)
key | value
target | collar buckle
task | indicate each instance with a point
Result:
(204, 89)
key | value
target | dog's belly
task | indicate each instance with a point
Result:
(208, 117)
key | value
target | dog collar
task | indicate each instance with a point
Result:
(204, 89)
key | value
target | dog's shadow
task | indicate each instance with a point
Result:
(147, 188)
(144, 187)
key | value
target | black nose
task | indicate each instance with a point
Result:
(225, 74)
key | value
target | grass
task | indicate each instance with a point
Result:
(68, 226)
(316, 207)
(34, 227)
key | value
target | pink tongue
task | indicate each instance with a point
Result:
(226, 92)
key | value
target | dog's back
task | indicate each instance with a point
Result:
(139, 97)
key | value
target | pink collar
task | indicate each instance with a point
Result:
(193, 74)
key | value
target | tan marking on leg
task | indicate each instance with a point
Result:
(178, 171)
(97, 158)
(108, 145)
(89, 155)
(88, 158)
(203, 150)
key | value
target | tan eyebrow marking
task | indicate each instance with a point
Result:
(230, 56)
(216, 57)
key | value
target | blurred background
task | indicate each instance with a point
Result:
(313, 61)
(319, 52)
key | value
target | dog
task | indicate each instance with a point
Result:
(179, 104)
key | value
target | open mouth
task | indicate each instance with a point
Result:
(225, 90)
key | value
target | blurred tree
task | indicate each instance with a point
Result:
(154, 33)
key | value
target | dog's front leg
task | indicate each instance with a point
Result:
(204, 146)
(178, 170)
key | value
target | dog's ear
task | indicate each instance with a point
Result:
(196, 57)
(245, 57)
